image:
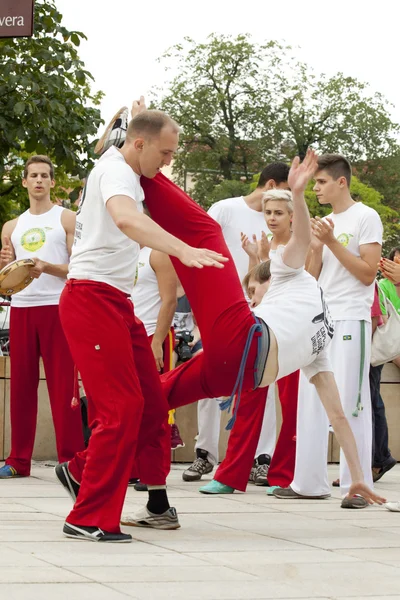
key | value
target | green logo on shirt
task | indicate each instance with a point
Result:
(344, 239)
(33, 239)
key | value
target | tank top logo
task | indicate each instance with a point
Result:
(33, 239)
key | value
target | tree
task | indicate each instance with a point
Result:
(242, 104)
(220, 98)
(46, 102)
(383, 174)
(335, 114)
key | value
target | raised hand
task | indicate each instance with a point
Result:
(251, 248)
(301, 173)
(264, 247)
(138, 106)
(201, 257)
(322, 230)
(361, 489)
(6, 253)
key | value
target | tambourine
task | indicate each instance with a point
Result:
(16, 276)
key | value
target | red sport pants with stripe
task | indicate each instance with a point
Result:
(36, 332)
(127, 409)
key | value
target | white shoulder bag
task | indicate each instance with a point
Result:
(386, 339)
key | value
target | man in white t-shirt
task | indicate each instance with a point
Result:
(345, 255)
(236, 216)
(242, 352)
(109, 345)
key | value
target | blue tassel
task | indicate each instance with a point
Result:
(226, 404)
(231, 423)
(237, 390)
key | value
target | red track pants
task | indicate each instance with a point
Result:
(242, 444)
(215, 295)
(127, 408)
(36, 331)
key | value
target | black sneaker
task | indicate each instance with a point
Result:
(201, 466)
(259, 470)
(66, 480)
(94, 534)
(139, 486)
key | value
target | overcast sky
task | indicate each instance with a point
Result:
(125, 38)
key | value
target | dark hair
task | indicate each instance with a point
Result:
(149, 123)
(278, 171)
(393, 252)
(39, 158)
(260, 273)
(336, 166)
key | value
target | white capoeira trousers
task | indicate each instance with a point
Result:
(209, 422)
(311, 474)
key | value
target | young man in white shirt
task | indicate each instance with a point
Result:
(293, 328)
(44, 233)
(344, 258)
(237, 216)
(109, 345)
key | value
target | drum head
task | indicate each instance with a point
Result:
(16, 276)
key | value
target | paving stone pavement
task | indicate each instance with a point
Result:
(238, 547)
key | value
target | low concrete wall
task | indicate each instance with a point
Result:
(186, 417)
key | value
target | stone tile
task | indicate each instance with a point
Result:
(223, 590)
(387, 556)
(333, 579)
(18, 491)
(273, 557)
(9, 518)
(130, 557)
(60, 591)
(157, 573)
(10, 557)
(69, 551)
(41, 573)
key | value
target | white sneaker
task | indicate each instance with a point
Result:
(115, 133)
(392, 506)
(145, 518)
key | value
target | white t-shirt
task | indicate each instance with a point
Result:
(235, 217)
(347, 297)
(101, 252)
(295, 310)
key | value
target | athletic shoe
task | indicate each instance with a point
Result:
(8, 472)
(259, 470)
(115, 133)
(271, 489)
(145, 518)
(176, 440)
(289, 494)
(215, 487)
(66, 480)
(139, 486)
(94, 534)
(354, 502)
(390, 463)
(201, 466)
(392, 506)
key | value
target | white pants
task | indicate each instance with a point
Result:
(311, 476)
(209, 423)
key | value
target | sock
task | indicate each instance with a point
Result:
(264, 459)
(158, 499)
(200, 453)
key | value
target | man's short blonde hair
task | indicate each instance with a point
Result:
(149, 123)
(283, 195)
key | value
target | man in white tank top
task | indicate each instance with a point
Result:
(45, 233)
(154, 299)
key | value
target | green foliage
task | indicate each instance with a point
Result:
(242, 105)
(206, 192)
(46, 102)
(384, 175)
